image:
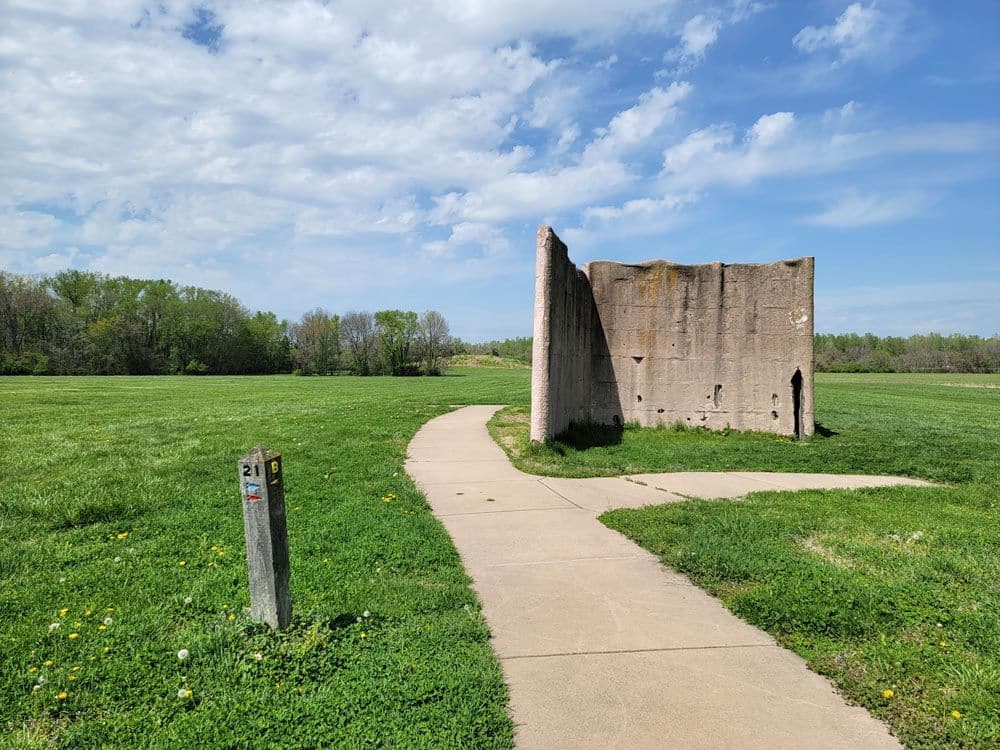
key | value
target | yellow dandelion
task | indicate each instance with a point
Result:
(87, 613)
(232, 617)
(943, 644)
(32, 669)
(213, 565)
(102, 627)
(956, 714)
(73, 636)
(182, 563)
(107, 648)
(77, 624)
(71, 677)
(122, 534)
(887, 693)
(47, 663)
(364, 634)
(110, 609)
(63, 612)
(63, 695)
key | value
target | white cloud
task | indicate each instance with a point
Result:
(771, 129)
(699, 33)
(778, 145)
(599, 171)
(26, 229)
(856, 210)
(860, 31)
(631, 127)
(469, 234)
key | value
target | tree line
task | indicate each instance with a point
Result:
(847, 352)
(77, 322)
(82, 323)
(932, 352)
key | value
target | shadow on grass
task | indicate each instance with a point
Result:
(823, 431)
(590, 435)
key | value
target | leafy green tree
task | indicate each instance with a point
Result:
(397, 331)
(316, 343)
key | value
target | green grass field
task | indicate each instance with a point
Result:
(119, 499)
(894, 589)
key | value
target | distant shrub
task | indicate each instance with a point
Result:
(194, 367)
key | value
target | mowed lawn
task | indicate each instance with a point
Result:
(894, 593)
(123, 545)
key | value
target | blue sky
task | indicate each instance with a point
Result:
(366, 155)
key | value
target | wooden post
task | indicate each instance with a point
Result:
(263, 489)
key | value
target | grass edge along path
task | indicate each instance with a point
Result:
(123, 577)
(893, 593)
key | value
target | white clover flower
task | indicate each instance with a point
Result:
(118, 559)
(259, 656)
(36, 688)
(108, 621)
(54, 627)
(366, 613)
(42, 680)
(62, 579)
(183, 654)
(188, 600)
(183, 693)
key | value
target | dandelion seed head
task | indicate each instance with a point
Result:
(183, 654)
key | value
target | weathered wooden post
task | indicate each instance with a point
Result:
(263, 491)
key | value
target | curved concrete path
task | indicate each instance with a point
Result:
(602, 647)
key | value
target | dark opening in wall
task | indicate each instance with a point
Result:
(639, 399)
(717, 395)
(797, 403)
(638, 360)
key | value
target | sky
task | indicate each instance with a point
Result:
(372, 155)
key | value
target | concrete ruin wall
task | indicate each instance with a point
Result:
(714, 345)
(565, 322)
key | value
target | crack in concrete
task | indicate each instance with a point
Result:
(665, 649)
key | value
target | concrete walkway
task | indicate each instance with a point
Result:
(601, 646)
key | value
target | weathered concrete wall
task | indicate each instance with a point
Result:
(714, 345)
(565, 321)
